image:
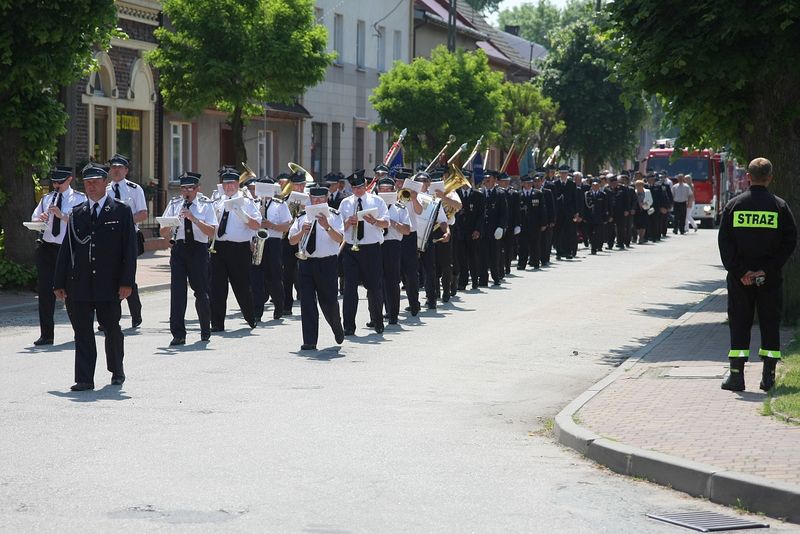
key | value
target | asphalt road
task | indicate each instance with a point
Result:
(441, 425)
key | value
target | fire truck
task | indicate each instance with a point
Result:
(714, 175)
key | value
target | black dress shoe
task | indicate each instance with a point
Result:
(43, 341)
(99, 327)
(205, 337)
(393, 321)
(252, 324)
(339, 337)
(276, 316)
(379, 329)
(135, 322)
(414, 311)
(287, 312)
(217, 329)
(496, 283)
(177, 341)
(117, 380)
(82, 386)
(371, 324)
(349, 332)
(431, 305)
(308, 347)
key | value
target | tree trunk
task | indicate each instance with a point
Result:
(237, 130)
(18, 188)
(778, 139)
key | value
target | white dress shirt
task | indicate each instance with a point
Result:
(70, 199)
(236, 230)
(325, 244)
(414, 217)
(130, 193)
(372, 234)
(680, 192)
(203, 210)
(398, 215)
(277, 213)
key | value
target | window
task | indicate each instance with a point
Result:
(336, 135)
(358, 148)
(381, 49)
(180, 149)
(319, 149)
(338, 38)
(361, 35)
(264, 153)
(129, 141)
(398, 45)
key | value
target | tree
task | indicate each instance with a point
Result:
(729, 73)
(450, 93)
(235, 55)
(484, 5)
(529, 113)
(44, 46)
(601, 124)
(535, 21)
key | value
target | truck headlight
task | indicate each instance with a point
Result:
(707, 209)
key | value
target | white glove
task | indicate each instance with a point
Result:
(498, 233)
(651, 211)
(517, 230)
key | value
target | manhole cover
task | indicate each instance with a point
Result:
(706, 521)
(697, 371)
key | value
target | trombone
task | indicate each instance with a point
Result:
(434, 161)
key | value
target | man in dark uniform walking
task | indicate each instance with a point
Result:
(96, 270)
(469, 222)
(597, 214)
(494, 223)
(550, 204)
(533, 218)
(757, 234)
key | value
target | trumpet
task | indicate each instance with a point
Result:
(355, 247)
(301, 253)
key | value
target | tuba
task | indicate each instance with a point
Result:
(455, 180)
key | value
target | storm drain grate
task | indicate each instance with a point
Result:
(706, 521)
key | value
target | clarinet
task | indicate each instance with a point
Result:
(40, 238)
(174, 238)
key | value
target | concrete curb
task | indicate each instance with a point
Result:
(756, 494)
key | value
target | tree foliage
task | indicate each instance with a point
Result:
(601, 123)
(235, 55)
(530, 114)
(484, 5)
(729, 74)
(538, 20)
(43, 47)
(450, 93)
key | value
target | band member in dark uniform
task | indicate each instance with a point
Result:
(238, 220)
(550, 203)
(335, 196)
(132, 194)
(494, 223)
(409, 257)
(533, 219)
(96, 269)
(53, 209)
(188, 259)
(597, 214)
(513, 227)
(469, 222)
(564, 190)
(361, 255)
(317, 273)
(443, 246)
(399, 226)
(427, 258)
(654, 218)
(267, 279)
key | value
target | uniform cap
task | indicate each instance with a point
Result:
(118, 160)
(331, 178)
(228, 174)
(422, 176)
(190, 178)
(297, 178)
(59, 173)
(92, 171)
(318, 190)
(357, 178)
(381, 168)
(386, 181)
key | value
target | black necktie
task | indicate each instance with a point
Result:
(360, 229)
(116, 191)
(311, 246)
(95, 209)
(57, 220)
(188, 234)
(223, 224)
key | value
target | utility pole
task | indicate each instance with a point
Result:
(451, 26)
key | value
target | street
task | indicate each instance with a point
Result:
(440, 425)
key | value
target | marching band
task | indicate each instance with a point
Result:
(443, 228)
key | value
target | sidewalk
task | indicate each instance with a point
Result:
(662, 416)
(152, 274)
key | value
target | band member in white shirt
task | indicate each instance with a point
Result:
(361, 255)
(321, 238)
(409, 256)
(298, 180)
(232, 258)
(444, 246)
(267, 277)
(399, 226)
(189, 257)
(132, 194)
(440, 231)
(53, 209)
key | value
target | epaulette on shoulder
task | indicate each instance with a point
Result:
(278, 200)
(301, 213)
(80, 194)
(400, 206)
(333, 210)
(132, 185)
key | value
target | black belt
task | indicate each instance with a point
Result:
(322, 258)
(360, 245)
(51, 244)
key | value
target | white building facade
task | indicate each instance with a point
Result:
(368, 36)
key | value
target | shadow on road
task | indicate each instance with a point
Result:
(108, 392)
